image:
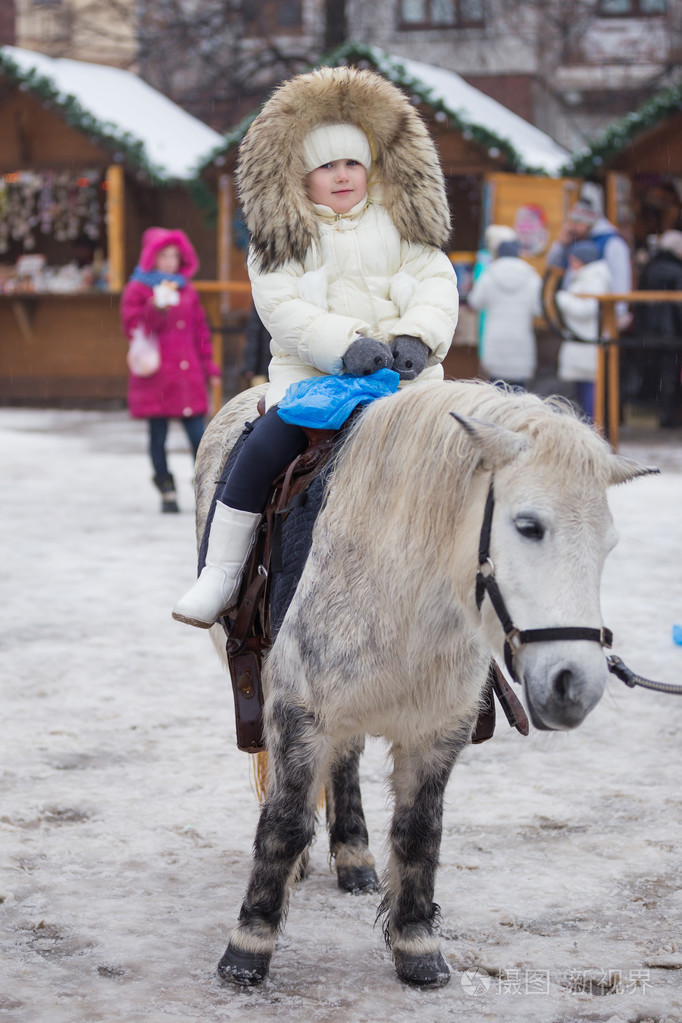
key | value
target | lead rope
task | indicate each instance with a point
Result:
(632, 679)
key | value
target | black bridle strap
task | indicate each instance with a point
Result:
(515, 638)
(486, 526)
(602, 636)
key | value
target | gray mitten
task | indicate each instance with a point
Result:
(367, 355)
(409, 356)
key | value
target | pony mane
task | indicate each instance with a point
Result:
(408, 443)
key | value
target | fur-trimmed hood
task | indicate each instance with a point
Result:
(406, 175)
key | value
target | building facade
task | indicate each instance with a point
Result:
(568, 66)
(100, 31)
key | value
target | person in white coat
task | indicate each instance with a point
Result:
(345, 202)
(509, 292)
(577, 361)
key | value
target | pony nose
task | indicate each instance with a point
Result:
(569, 697)
(562, 684)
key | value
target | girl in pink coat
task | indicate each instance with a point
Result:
(159, 299)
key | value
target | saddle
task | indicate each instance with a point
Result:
(269, 582)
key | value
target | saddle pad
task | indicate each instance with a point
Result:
(296, 540)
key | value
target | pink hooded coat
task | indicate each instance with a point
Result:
(178, 389)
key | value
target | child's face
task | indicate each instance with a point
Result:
(340, 185)
(168, 259)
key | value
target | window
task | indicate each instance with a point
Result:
(441, 13)
(631, 8)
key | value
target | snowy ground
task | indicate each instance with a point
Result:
(127, 815)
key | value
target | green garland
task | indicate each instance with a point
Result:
(396, 73)
(124, 146)
(617, 136)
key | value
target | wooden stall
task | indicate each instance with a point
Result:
(638, 163)
(75, 198)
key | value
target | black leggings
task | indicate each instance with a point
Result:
(265, 453)
(158, 431)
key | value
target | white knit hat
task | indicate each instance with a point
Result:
(671, 241)
(336, 142)
(495, 234)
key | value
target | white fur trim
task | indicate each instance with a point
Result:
(313, 287)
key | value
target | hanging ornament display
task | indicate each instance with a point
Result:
(63, 204)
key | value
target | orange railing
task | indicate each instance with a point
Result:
(607, 383)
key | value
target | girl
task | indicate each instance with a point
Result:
(345, 201)
(159, 299)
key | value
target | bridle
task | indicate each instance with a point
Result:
(514, 638)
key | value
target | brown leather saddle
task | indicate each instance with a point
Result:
(248, 626)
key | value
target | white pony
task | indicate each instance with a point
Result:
(390, 631)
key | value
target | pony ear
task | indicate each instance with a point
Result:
(495, 445)
(625, 469)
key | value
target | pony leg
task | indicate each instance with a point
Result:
(419, 779)
(348, 839)
(297, 750)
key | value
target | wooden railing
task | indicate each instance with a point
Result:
(233, 287)
(607, 383)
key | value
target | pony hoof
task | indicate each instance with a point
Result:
(245, 968)
(357, 880)
(428, 970)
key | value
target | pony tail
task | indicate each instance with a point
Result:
(259, 775)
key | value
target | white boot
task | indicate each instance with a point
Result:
(215, 590)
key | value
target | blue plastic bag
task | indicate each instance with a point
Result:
(324, 403)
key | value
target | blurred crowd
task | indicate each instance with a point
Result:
(588, 258)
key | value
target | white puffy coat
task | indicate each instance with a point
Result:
(360, 278)
(578, 359)
(509, 292)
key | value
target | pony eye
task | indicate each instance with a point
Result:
(529, 527)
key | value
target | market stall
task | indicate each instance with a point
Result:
(638, 163)
(78, 186)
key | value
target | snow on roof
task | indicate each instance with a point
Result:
(478, 116)
(529, 148)
(121, 109)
